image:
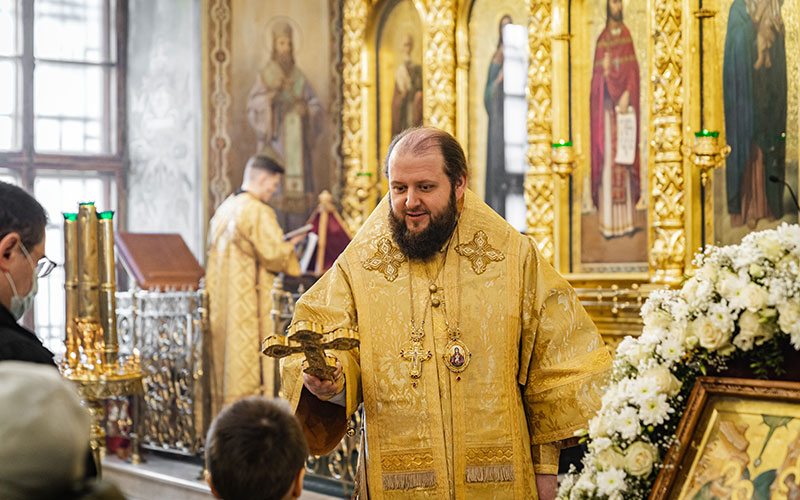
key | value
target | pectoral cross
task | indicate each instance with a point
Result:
(417, 357)
(318, 363)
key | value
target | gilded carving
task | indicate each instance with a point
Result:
(358, 183)
(667, 233)
(539, 193)
(440, 67)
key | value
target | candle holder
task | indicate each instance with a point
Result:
(706, 153)
(563, 158)
(92, 360)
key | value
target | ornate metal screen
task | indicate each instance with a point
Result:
(169, 331)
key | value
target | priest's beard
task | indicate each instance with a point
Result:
(424, 244)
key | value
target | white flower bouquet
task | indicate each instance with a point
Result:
(743, 302)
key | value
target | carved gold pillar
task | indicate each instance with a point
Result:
(359, 184)
(539, 191)
(440, 65)
(667, 232)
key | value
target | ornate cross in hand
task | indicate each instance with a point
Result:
(416, 356)
(317, 363)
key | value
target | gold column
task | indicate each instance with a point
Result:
(539, 193)
(440, 67)
(71, 286)
(88, 264)
(563, 155)
(108, 285)
(358, 195)
(667, 177)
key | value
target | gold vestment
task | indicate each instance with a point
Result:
(246, 249)
(535, 376)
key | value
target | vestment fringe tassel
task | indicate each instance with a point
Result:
(490, 474)
(409, 480)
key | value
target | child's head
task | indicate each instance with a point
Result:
(256, 449)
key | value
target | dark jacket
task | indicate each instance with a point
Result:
(17, 343)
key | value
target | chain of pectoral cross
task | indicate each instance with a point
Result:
(416, 352)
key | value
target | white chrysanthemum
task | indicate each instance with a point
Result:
(611, 481)
(585, 484)
(640, 390)
(626, 422)
(655, 409)
(680, 310)
(721, 316)
(600, 444)
(729, 284)
(671, 349)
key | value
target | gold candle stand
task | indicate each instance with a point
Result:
(563, 158)
(92, 359)
(706, 153)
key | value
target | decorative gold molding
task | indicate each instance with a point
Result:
(440, 65)
(359, 184)
(667, 183)
(539, 192)
(219, 101)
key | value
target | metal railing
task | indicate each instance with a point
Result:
(169, 329)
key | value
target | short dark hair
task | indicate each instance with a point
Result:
(421, 140)
(262, 162)
(255, 448)
(21, 213)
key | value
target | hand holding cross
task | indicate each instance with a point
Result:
(318, 363)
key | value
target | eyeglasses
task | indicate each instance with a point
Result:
(45, 267)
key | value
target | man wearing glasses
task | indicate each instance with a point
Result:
(22, 263)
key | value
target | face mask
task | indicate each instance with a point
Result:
(20, 305)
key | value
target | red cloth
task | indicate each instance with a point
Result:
(337, 241)
(623, 75)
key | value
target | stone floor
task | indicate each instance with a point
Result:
(163, 478)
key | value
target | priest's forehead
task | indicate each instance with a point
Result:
(423, 141)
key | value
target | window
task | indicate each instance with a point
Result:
(515, 68)
(61, 87)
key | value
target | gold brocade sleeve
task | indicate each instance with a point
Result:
(545, 458)
(327, 307)
(262, 229)
(564, 363)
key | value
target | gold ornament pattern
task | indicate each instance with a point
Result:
(539, 194)
(440, 56)
(479, 252)
(387, 259)
(404, 462)
(668, 255)
(219, 102)
(491, 455)
(359, 185)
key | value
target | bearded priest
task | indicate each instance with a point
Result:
(477, 362)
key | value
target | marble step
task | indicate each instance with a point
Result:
(168, 479)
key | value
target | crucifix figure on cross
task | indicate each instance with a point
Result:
(317, 362)
(417, 357)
